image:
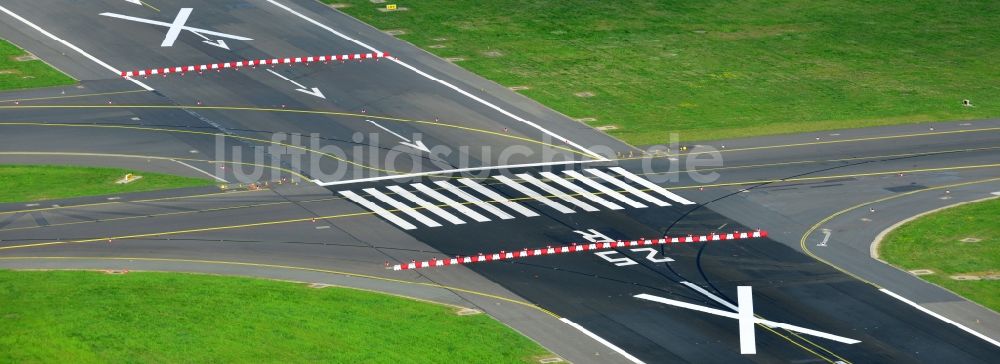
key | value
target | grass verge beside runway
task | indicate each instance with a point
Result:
(75, 316)
(15, 74)
(22, 183)
(935, 242)
(720, 69)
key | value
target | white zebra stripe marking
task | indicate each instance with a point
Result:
(474, 200)
(497, 197)
(607, 191)
(451, 203)
(650, 185)
(427, 205)
(535, 195)
(557, 193)
(371, 206)
(580, 191)
(402, 207)
(626, 187)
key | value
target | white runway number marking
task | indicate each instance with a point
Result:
(469, 200)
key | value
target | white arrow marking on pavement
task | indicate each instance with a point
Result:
(743, 315)
(418, 145)
(137, 2)
(174, 29)
(315, 91)
(219, 43)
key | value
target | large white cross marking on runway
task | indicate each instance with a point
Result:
(744, 314)
(179, 24)
(176, 27)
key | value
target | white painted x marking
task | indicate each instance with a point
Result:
(744, 314)
(179, 24)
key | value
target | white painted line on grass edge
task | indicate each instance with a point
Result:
(445, 83)
(217, 178)
(73, 47)
(602, 341)
(939, 317)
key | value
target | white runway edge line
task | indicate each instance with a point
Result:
(939, 317)
(602, 341)
(445, 83)
(71, 46)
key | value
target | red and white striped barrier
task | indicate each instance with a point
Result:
(254, 63)
(575, 248)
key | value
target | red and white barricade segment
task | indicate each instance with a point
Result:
(253, 63)
(575, 248)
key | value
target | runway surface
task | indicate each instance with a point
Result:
(517, 176)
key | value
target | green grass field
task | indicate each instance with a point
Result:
(23, 183)
(934, 242)
(721, 69)
(16, 74)
(92, 317)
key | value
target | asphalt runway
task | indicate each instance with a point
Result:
(347, 233)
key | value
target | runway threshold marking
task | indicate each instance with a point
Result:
(442, 82)
(546, 194)
(289, 267)
(71, 46)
